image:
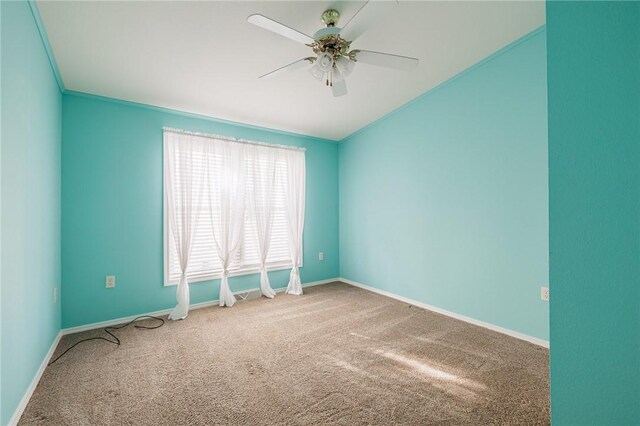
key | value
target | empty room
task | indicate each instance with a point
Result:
(319, 212)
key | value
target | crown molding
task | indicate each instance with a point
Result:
(45, 42)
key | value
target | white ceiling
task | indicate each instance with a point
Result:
(204, 58)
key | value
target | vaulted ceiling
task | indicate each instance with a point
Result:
(205, 58)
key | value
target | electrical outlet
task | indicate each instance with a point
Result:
(111, 281)
(55, 295)
(321, 256)
(544, 293)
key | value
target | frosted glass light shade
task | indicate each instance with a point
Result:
(345, 65)
(324, 62)
(317, 73)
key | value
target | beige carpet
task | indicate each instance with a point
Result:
(336, 355)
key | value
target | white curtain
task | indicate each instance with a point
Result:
(263, 169)
(183, 198)
(296, 176)
(225, 184)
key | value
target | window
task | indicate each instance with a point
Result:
(206, 173)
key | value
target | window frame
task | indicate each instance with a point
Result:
(204, 277)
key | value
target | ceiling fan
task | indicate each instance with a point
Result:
(333, 60)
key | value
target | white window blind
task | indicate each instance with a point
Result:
(204, 263)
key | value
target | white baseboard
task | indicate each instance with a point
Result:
(530, 339)
(321, 282)
(102, 324)
(34, 383)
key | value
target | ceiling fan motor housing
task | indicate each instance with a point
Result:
(328, 40)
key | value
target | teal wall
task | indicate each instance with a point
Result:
(594, 209)
(112, 204)
(445, 201)
(30, 219)
(1, 317)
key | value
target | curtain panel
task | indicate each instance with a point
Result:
(223, 201)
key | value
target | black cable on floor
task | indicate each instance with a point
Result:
(113, 328)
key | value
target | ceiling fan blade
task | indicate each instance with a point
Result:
(386, 60)
(287, 68)
(278, 28)
(368, 15)
(339, 88)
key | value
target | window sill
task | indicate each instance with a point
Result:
(237, 273)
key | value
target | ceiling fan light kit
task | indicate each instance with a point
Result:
(334, 60)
